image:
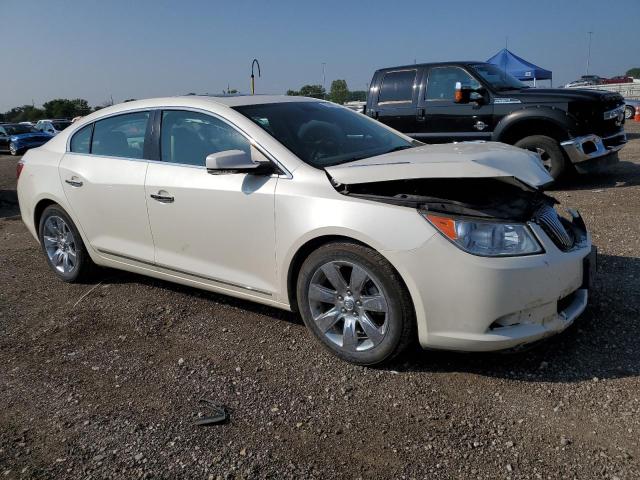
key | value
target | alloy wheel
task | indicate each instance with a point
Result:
(348, 306)
(12, 149)
(60, 244)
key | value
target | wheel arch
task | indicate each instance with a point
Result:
(525, 123)
(313, 244)
(39, 208)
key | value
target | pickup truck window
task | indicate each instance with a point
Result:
(397, 86)
(442, 81)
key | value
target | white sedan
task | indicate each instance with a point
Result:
(376, 239)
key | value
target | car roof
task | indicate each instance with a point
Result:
(432, 64)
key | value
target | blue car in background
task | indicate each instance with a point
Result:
(17, 138)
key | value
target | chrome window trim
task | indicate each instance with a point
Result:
(252, 141)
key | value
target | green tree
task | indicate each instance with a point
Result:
(25, 113)
(293, 93)
(634, 72)
(358, 96)
(64, 108)
(339, 92)
(314, 91)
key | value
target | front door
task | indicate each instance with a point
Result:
(219, 228)
(103, 180)
(445, 120)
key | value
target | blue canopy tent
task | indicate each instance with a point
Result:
(519, 67)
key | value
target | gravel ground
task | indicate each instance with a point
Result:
(103, 380)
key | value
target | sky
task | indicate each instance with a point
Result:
(147, 48)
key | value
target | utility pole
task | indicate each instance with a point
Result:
(323, 77)
(590, 33)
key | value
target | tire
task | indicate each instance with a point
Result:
(60, 239)
(552, 155)
(13, 150)
(629, 112)
(367, 325)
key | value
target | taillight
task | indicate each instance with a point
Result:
(19, 168)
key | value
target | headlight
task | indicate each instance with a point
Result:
(490, 239)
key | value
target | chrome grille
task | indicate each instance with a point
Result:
(550, 222)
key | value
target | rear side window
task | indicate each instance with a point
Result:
(120, 136)
(188, 137)
(397, 86)
(81, 140)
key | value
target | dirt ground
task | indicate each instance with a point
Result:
(103, 380)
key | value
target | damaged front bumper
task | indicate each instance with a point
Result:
(470, 303)
(591, 152)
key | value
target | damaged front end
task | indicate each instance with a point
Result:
(452, 204)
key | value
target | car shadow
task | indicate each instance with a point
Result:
(8, 203)
(601, 344)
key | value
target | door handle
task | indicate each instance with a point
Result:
(162, 198)
(74, 183)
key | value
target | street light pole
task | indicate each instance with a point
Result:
(323, 78)
(253, 78)
(589, 52)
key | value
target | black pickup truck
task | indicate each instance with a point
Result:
(461, 101)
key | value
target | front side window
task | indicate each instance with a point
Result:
(441, 85)
(397, 87)
(81, 140)
(188, 137)
(120, 136)
(323, 134)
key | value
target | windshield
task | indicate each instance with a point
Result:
(324, 134)
(497, 78)
(18, 129)
(60, 125)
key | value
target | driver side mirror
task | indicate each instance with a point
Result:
(235, 161)
(466, 94)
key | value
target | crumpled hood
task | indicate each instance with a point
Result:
(458, 160)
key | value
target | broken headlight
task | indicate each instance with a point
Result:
(490, 239)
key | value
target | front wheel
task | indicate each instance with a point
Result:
(13, 149)
(63, 246)
(550, 153)
(355, 303)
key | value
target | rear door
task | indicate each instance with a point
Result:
(397, 96)
(444, 120)
(103, 178)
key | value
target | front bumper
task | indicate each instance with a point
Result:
(590, 152)
(471, 303)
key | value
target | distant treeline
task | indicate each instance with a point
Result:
(339, 92)
(58, 108)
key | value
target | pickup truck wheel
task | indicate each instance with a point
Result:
(550, 152)
(354, 302)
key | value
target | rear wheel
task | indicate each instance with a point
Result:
(550, 152)
(355, 303)
(63, 246)
(629, 112)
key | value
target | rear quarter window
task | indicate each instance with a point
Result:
(397, 87)
(81, 140)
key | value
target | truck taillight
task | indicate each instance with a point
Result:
(19, 168)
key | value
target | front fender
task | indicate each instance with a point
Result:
(556, 118)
